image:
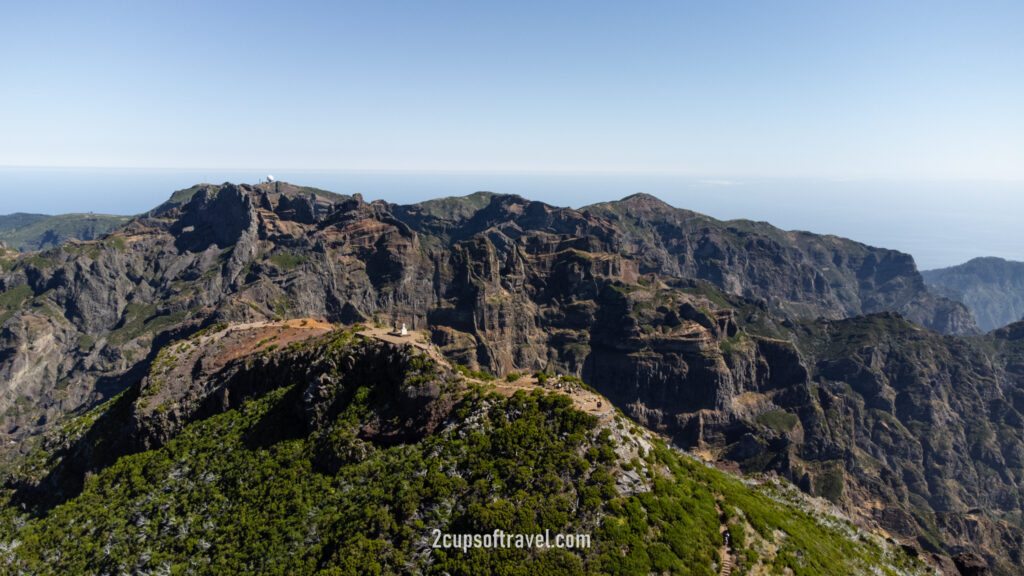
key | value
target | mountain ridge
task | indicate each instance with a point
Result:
(28, 232)
(640, 308)
(993, 288)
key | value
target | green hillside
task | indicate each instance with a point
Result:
(286, 484)
(27, 232)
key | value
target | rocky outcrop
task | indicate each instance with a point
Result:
(222, 367)
(971, 565)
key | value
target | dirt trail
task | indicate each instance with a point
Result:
(583, 400)
(725, 552)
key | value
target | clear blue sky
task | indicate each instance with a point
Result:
(928, 90)
(897, 123)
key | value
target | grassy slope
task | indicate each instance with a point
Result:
(38, 232)
(17, 220)
(457, 207)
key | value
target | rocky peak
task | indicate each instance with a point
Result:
(214, 216)
(1013, 331)
(645, 202)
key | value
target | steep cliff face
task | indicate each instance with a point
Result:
(993, 288)
(927, 424)
(920, 433)
(800, 274)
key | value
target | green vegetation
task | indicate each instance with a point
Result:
(12, 300)
(18, 220)
(27, 232)
(183, 196)
(118, 243)
(37, 261)
(734, 344)
(141, 319)
(91, 251)
(708, 290)
(15, 297)
(477, 374)
(286, 260)
(512, 376)
(778, 420)
(456, 207)
(332, 196)
(86, 342)
(262, 490)
(830, 484)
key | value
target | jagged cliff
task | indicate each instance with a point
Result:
(730, 337)
(798, 274)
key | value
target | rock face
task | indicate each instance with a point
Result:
(801, 275)
(971, 565)
(217, 370)
(992, 288)
(733, 338)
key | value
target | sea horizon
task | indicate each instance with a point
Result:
(940, 223)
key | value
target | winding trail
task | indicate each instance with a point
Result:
(725, 552)
(583, 400)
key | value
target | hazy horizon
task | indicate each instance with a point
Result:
(939, 223)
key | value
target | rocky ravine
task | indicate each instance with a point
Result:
(691, 325)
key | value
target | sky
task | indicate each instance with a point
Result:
(731, 107)
(903, 90)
